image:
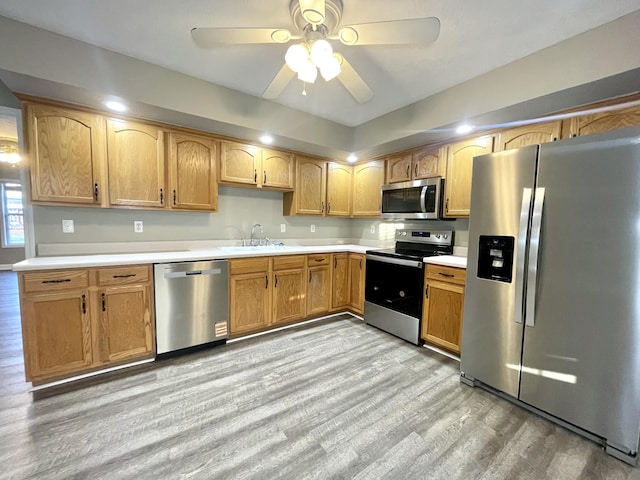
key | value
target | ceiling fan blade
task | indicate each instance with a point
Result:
(279, 83)
(212, 36)
(353, 82)
(395, 32)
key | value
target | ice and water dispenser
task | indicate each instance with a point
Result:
(495, 258)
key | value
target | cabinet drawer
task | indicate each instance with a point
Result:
(446, 274)
(124, 275)
(286, 262)
(319, 259)
(54, 280)
(248, 265)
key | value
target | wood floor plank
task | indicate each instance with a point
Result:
(335, 399)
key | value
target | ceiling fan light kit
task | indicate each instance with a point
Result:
(318, 21)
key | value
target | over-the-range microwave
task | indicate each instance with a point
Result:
(420, 199)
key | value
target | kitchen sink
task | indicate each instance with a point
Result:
(256, 249)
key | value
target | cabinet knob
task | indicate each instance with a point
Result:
(322, 207)
(174, 196)
(95, 191)
(104, 303)
(255, 175)
(161, 196)
(264, 177)
(415, 170)
(84, 304)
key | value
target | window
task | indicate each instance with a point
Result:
(12, 214)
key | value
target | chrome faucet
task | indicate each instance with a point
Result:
(257, 225)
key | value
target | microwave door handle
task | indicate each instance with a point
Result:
(423, 199)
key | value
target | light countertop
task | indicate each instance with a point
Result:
(447, 261)
(81, 261)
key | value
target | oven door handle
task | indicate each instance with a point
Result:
(394, 261)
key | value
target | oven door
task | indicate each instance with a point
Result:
(418, 199)
(395, 283)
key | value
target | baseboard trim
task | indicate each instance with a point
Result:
(442, 352)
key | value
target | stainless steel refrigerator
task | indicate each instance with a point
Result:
(552, 300)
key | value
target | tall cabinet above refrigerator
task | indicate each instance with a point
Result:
(552, 301)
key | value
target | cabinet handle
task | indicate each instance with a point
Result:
(335, 262)
(264, 176)
(408, 170)
(175, 199)
(104, 303)
(128, 275)
(329, 207)
(446, 206)
(95, 191)
(426, 292)
(275, 285)
(57, 281)
(415, 170)
(255, 175)
(84, 304)
(448, 275)
(322, 208)
(266, 281)
(309, 277)
(320, 259)
(161, 196)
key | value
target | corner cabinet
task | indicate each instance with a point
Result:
(66, 155)
(76, 321)
(368, 179)
(135, 158)
(192, 172)
(457, 188)
(442, 308)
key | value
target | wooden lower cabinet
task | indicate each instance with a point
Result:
(249, 302)
(289, 288)
(356, 282)
(74, 321)
(319, 284)
(443, 307)
(340, 278)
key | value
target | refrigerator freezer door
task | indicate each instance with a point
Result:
(492, 335)
(581, 360)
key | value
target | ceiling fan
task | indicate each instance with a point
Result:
(318, 22)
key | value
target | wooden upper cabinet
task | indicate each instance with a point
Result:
(459, 169)
(309, 197)
(66, 155)
(277, 169)
(604, 121)
(368, 179)
(399, 168)
(193, 172)
(339, 189)
(135, 156)
(528, 135)
(428, 162)
(239, 163)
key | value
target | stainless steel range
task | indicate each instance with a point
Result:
(394, 282)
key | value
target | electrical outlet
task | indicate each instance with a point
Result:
(373, 229)
(137, 226)
(67, 226)
(283, 227)
(313, 228)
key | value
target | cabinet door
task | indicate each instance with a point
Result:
(459, 169)
(339, 189)
(428, 163)
(399, 168)
(67, 155)
(277, 169)
(356, 282)
(368, 179)
(126, 326)
(288, 295)
(239, 163)
(528, 135)
(56, 334)
(319, 290)
(192, 170)
(340, 281)
(605, 121)
(442, 315)
(311, 187)
(248, 302)
(135, 156)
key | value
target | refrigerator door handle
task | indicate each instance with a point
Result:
(520, 261)
(534, 250)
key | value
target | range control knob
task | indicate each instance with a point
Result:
(404, 234)
(445, 236)
(437, 235)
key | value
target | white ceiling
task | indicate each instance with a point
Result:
(475, 37)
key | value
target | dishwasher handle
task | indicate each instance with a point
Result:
(192, 273)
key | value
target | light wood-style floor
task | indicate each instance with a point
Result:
(332, 400)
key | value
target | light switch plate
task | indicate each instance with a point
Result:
(313, 228)
(67, 226)
(137, 226)
(283, 227)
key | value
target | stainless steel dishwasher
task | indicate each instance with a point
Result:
(192, 304)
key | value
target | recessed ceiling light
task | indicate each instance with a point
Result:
(352, 158)
(462, 129)
(267, 139)
(115, 106)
